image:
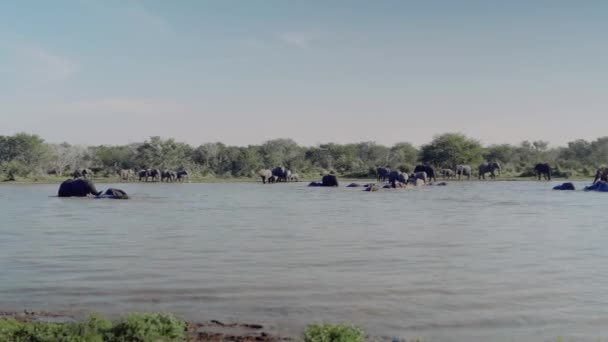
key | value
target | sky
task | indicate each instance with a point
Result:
(243, 72)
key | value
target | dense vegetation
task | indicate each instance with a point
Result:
(28, 156)
(135, 327)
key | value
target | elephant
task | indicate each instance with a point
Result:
(87, 173)
(155, 174)
(565, 186)
(126, 174)
(382, 173)
(114, 194)
(288, 176)
(372, 188)
(329, 180)
(463, 170)
(418, 176)
(396, 178)
(168, 176)
(600, 186)
(543, 169)
(143, 174)
(281, 173)
(490, 168)
(448, 173)
(353, 185)
(430, 172)
(294, 177)
(182, 176)
(601, 175)
(77, 188)
(265, 174)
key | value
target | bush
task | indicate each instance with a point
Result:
(137, 327)
(333, 333)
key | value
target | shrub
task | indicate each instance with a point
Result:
(149, 327)
(333, 333)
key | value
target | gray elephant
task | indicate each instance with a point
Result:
(327, 180)
(183, 176)
(294, 177)
(418, 177)
(430, 172)
(168, 176)
(463, 170)
(490, 168)
(126, 175)
(543, 170)
(383, 173)
(564, 186)
(265, 174)
(281, 173)
(397, 178)
(114, 194)
(77, 188)
(155, 174)
(143, 175)
(448, 173)
(601, 175)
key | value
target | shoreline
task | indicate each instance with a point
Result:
(106, 180)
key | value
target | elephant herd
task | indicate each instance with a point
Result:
(542, 170)
(277, 175)
(154, 175)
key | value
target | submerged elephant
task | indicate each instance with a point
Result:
(430, 172)
(463, 170)
(327, 180)
(543, 170)
(565, 186)
(490, 168)
(600, 186)
(382, 173)
(114, 194)
(77, 188)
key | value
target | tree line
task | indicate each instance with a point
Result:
(25, 155)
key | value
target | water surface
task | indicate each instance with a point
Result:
(496, 261)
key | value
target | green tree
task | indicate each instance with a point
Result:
(451, 149)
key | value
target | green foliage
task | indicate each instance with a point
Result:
(450, 149)
(137, 327)
(28, 156)
(149, 327)
(327, 332)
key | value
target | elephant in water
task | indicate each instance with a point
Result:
(327, 180)
(543, 170)
(463, 170)
(418, 178)
(490, 168)
(448, 173)
(430, 172)
(396, 179)
(114, 194)
(565, 186)
(382, 173)
(265, 174)
(601, 175)
(77, 188)
(281, 173)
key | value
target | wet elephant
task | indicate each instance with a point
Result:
(329, 180)
(564, 186)
(114, 194)
(418, 177)
(77, 188)
(430, 172)
(543, 170)
(601, 175)
(397, 178)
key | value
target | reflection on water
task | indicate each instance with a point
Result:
(470, 261)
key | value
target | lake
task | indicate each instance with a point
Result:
(471, 261)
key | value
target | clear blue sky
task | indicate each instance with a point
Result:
(241, 72)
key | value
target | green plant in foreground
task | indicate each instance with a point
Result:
(328, 332)
(149, 327)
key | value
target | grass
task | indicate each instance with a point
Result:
(156, 327)
(328, 332)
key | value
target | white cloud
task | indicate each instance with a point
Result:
(300, 40)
